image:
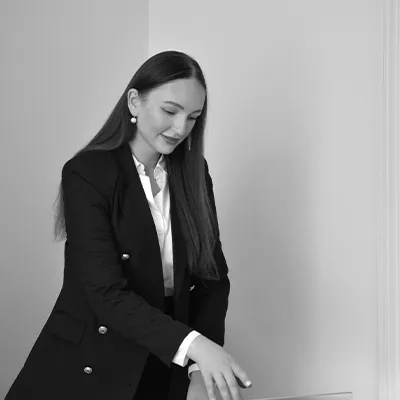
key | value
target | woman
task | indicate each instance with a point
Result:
(145, 289)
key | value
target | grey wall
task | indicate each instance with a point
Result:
(63, 67)
(294, 144)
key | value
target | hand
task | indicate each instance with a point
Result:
(216, 365)
(197, 389)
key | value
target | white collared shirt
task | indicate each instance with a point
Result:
(160, 210)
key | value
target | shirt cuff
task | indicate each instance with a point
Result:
(192, 368)
(180, 357)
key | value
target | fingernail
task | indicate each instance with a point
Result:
(248, 383)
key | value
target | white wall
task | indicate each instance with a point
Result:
(294, 145)
(295, 129)
(63, 67)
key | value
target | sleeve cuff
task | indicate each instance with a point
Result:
(180, 357)
(192, 368)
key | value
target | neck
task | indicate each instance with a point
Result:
(145, 154)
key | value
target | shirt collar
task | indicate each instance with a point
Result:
(161, 164)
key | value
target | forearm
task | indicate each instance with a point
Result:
(94, 261)
(121, 309)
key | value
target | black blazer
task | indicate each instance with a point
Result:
(109, 314)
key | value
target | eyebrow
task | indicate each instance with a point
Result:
(180, 106)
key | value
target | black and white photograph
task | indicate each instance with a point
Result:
(200, 200)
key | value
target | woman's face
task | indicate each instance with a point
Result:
(168, 111)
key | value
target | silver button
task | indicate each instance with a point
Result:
(88, 370)
(102, 330)
(191, 288)
(125, 256)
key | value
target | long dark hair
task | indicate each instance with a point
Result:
(186, 167)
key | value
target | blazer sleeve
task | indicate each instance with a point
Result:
(93, 259)
(209, 301)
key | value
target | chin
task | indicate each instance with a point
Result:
(166, 148)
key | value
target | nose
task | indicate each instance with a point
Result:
(179, 126)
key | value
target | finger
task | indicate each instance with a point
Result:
(233, 385)
(242, 376)
(222, 387)
(209, 384)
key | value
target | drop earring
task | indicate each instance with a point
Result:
(190, 143)
(133, 120)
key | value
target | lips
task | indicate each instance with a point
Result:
(170, 140)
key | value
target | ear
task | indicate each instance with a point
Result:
(133, 102)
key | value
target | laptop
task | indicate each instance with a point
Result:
(323, 396)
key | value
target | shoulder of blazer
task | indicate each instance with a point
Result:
(98, 167)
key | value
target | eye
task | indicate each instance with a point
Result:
(195, 118)
(168, 112)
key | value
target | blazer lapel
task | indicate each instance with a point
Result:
(136, 231)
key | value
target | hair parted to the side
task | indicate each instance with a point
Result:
(186, 168)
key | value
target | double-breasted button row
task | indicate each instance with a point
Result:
(125, 256)
(102, 330)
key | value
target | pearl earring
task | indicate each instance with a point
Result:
(133, 120)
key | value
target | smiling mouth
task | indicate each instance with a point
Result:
(169, 139)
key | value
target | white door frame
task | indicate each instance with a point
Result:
(389, 266)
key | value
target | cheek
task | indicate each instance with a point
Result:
(154, 122)
(190, 125)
